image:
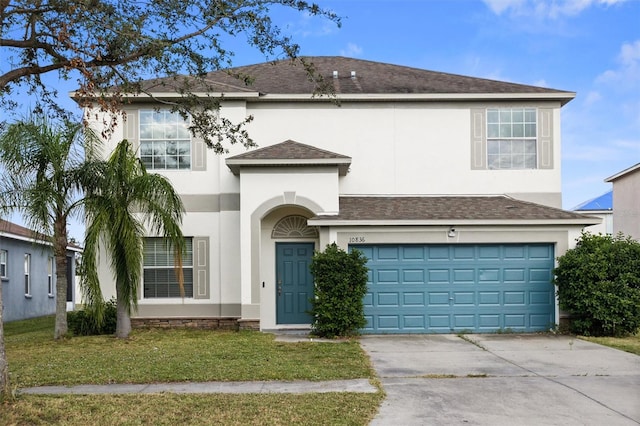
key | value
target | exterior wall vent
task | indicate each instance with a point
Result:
(335, 74)
(353, 74)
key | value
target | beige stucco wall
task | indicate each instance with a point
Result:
(626, 204)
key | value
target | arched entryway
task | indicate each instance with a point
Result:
(294, 282)
(290, 245)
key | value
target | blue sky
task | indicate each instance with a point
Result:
(591, 47)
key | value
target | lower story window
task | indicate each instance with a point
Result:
(27, 274)
(159, 277)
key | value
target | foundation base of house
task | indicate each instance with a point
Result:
(203, 323)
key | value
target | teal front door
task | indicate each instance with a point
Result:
(294, 283)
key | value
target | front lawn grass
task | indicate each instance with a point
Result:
(176, 355)
(152, 356)
(174, 409)
(628, 344)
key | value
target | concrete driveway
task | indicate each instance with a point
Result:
(504, 380)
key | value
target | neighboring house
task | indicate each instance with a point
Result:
(450, 185)
(601, 207)
(626, 201)
(28, 273)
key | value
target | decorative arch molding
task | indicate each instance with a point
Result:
(294, 226)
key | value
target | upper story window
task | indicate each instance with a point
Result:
(165, 140)
(511, 138)
(3, 263)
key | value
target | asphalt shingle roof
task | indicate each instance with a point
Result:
(288, 150)
(450, 208)
(289, 153)
(287, 77)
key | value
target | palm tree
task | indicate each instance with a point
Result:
(43, 167)
(120, 207)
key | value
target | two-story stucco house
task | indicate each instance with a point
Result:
(450, 185)
(28, 273)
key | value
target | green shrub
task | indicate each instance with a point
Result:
(599, 285)
(340, 286)
(84, 323)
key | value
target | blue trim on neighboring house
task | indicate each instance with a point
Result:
(603, 202)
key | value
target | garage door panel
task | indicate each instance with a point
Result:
(514, 298)
(414, 322)
(514, 321)
(464, 298)
(448, 288)
(388, 299)
(438, 299)
(388, 276)
(488, 298)
(514, 275)
(438, 275)
(413, 276)
(413, 299)
(464, 275)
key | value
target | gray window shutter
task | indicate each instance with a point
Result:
(478, 139)
(198, 155)
(131, 129)
(200, 267)
(545, 138)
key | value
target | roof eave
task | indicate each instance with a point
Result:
(562, 97)
(144, 97)
(342, 163)
(318, 221)
(622, 173)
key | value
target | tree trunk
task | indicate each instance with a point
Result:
(123, 324)
(60, 252)
(4, 365)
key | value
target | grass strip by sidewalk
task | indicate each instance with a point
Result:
(152, 356)
(173, 409)
(628, 344)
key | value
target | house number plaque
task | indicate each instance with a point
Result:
(357, 239)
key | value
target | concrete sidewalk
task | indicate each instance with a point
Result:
(355, 385)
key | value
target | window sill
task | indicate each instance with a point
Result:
(51, 296)
(28, 296)
(4, 279)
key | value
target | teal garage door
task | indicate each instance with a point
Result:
(453, 288)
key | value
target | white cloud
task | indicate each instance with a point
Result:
(352, 50)
(545, 8)
(627, 74)
(592, 97)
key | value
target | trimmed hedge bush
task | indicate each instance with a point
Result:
(599, 285)
(340, 286)
(83, 322)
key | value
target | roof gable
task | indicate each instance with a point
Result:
(289, 153)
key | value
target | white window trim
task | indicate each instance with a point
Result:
(50, 272)
(4, 262)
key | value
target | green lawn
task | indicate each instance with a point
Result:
(180, 355)
(628, 344)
